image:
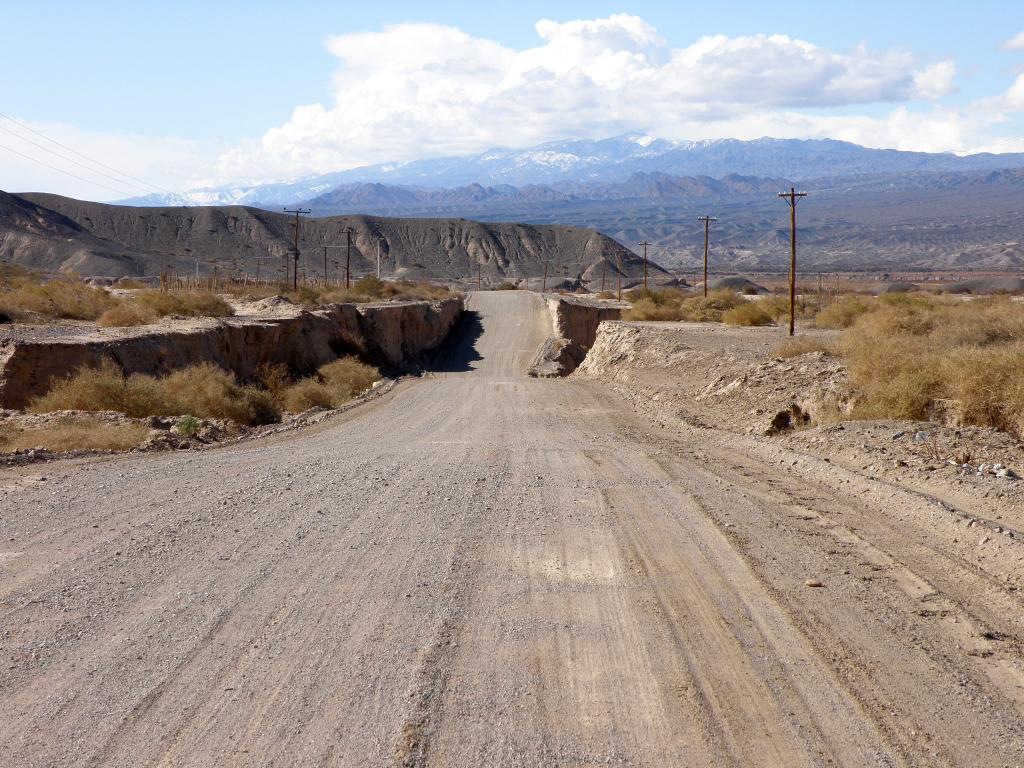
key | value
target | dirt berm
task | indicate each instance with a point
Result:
(574, 321)
(395, 336)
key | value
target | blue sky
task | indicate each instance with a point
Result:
(189, 94)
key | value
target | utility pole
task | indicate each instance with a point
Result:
(544, 284)
(378, 239)
(618, 275)
(791, 198)
(325, 266)
(707, 223)
(348, 256)
(604, 271)
(298, 212)
(645, 244)
(479, 274)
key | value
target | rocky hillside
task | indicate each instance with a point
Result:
(94, 239)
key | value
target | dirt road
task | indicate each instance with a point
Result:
(481, 569)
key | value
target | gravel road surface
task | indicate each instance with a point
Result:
(481, 569)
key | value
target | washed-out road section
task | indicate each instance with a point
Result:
(482, 569)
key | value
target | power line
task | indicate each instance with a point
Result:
(84, 156)
(792, 198)
(707, 223)
(645, 244)
(66, 173)
(75, 162)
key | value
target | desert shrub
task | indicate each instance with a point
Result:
(370, 286)
(507, 286)
(988, 384)
(676, 305)
(306, 394)
(187, 303)
(778, 307)
(349, 375)
(202, 390)
(334, 384)
(187, 426)
(62, 298)
(98, 389)
(14, 276)
(75, 434)
(150, 305)
(368, 289)
(802, 345)
(647, 309)
(126, 313)
(273, 377)
(909, 351)
(844, 312)
(701, 309)
(210, 392)
(663, 297)
(748, 314)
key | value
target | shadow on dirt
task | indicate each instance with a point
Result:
(459, 352)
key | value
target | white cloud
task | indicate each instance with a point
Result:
(102, 160)
(1015, 43)
(414, 90)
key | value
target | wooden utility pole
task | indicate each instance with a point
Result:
(378, 239)
(544, 283)
(348, 257)
(298, 212)
(791, 198)
(645, 244)
(326, 248)
(707, 224)
(479, 274)
(604, 272)
(618, 275)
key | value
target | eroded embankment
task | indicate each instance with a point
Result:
(394, 336)
(575, 322)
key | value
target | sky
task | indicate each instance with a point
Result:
(106, 100)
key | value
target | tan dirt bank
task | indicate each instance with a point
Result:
(481, 569)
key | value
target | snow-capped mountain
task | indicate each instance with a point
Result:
(607, 160)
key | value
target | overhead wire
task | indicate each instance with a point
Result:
(66, 173)
(83, 156)
(75, 162)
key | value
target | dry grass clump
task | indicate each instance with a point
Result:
(988, 384)
(124, 314)
(76, 433)
(201, 390)
(150, 305)
(909, 351)
(844, 312)
(364, 290)
(802, 345)
(334, 384)
(24, 296)
(748, 313)
(778, 307)
(676, 305)
(371, 289)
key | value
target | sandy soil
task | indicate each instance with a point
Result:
(484, 569)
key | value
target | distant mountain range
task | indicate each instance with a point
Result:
(609, 161)
(868, 209)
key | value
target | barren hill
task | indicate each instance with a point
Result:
(62, 234)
